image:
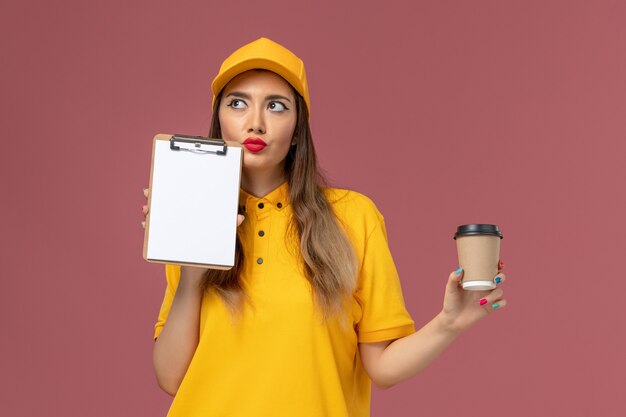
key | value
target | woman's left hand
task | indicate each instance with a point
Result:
(462, 308)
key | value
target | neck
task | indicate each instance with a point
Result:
(260, 183)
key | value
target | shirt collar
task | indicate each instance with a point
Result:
(278, 198)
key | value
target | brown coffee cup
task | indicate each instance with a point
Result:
(478, 249)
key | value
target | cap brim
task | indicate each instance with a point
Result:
(255, 63)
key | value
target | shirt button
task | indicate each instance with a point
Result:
(280, 205)
(261, 233)
(259, 261)
(261, 205)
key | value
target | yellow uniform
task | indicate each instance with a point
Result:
(280, 359)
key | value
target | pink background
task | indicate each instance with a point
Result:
(444, 113)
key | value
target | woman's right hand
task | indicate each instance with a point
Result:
(144, 208)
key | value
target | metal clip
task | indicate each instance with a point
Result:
(198, 144)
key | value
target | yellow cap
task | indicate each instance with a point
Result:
(263, 54)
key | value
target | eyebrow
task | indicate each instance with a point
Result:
(240, 94)
(277, 97)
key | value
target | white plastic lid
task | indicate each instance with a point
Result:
(479, 285)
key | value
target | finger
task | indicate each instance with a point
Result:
(500, 265)
(144, 210)
(497, 305)
(493, 297)
(145, 192)
(143, 224)
(240, 219)
(500, 278)
(455, 278)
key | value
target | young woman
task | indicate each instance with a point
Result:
(313, 310)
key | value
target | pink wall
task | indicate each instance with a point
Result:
(466, 111)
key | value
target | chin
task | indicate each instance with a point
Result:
(257, 164)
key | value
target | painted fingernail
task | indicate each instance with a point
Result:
(458, 271)
(483, 301)
(494, 306)
(498, 280)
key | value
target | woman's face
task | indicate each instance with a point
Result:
(258, 110)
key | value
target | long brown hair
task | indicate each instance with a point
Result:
(328, 257)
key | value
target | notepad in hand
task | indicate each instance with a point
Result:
(193, 199)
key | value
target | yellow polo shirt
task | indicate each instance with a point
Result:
(280, 359)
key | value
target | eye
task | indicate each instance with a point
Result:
(277, 106)
(237, 104)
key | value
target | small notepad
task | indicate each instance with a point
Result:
(193, 199)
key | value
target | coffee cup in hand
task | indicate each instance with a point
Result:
(478, 249)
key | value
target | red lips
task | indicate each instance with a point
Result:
(254, 144)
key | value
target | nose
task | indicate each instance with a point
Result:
(256, 122)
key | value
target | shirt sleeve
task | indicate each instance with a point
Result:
(172, 276)
(384, 315)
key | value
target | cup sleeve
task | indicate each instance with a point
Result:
(172, 276)
(379, 293)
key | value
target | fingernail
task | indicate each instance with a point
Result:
(500, 264)
(458, 271)
(494, 306)
(498, 280)
(483, 301)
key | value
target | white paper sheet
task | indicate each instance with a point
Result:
(193, 206)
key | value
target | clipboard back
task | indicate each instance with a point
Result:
(193, 201)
